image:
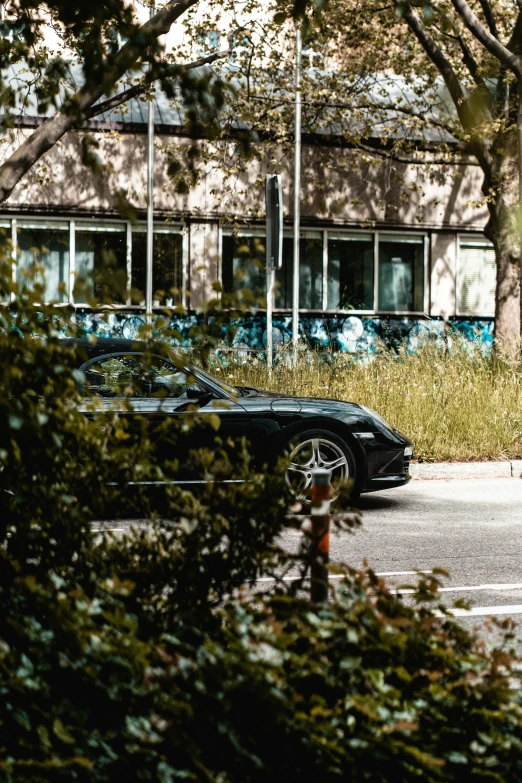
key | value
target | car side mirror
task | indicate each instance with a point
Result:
(201, 396)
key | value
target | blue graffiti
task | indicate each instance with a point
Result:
(361, 335)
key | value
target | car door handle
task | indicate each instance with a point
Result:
(201, 401)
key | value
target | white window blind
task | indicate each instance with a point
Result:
(476, 279)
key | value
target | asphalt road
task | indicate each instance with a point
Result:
(471, 528)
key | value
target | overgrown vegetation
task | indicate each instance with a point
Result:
(146, 658)
(460, 404)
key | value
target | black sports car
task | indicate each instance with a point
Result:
(352, 441)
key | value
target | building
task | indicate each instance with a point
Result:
(387, 251)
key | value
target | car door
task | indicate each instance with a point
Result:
(180, 410)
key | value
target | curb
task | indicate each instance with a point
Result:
(466, 470)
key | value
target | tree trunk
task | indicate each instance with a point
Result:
(503, 229)
(507, 304)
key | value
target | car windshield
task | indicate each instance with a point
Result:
(231, 391)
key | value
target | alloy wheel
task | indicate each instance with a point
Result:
(311, 454)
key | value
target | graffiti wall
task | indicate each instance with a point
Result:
(349, 333)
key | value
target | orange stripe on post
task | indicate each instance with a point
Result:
(320, 544)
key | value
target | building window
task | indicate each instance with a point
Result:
(401, 273)
(336, 270)
(208, 42)
(6, 259)
(167, 267)
(310, 272)
(43, 251)
(313, 59)
(476, 277)
(107, 262)
(101, 263)
(244, 268)
(243, 265)
(350, 272)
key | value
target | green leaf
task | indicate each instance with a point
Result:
(15, 422)
(62, 733)
(457, 758)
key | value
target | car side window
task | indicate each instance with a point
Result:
(133, 376)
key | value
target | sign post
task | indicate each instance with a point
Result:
(320, 544)
(274, 252)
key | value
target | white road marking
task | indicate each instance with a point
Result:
(290, 578)
(401, 573)
(410, 591)
(466, 589)
(480, 611)
(340, 576)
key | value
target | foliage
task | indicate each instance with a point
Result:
(147, 657)
(459, 404)
(68, 63)
(418, 91)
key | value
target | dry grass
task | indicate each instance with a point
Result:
(454, 406)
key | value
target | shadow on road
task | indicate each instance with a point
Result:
(377, 502)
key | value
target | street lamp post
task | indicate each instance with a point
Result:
(297, 192)
(150, 202)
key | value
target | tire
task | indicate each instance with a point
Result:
(319, 449)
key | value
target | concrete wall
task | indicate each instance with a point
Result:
(340, 187)
(203, 262)
(443, 276)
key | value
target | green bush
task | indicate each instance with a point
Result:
(148, 658)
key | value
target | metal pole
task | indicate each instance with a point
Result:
(297, 192)
(270, 275)
(150, 203)
(519, 135)
(320, 545)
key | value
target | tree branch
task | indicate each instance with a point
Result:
(372, 107)
(515, 42)
(414, 115)
(501, 95)
(73, 110)
(494, 47)
(470, 62)
(148, 79)
(490, 19)
(441, 62)
(467, 56)
(413, 161)
(443, 65)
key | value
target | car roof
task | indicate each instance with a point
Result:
(105, 345)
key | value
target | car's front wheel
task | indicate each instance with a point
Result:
(319, 449)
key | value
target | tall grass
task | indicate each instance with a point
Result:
(458, 405)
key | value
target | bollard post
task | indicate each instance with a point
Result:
(320, 547)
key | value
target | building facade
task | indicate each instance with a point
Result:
(388, 251)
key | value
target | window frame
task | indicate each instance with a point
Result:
(425, 282)
(159, 228)
(482, 241)
(40, 224)
(79, 223)
(338, 231)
